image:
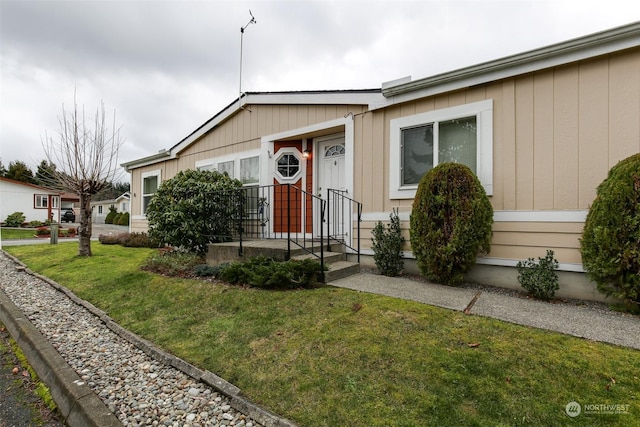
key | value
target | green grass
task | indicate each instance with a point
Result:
(17, 233)
(334, 357)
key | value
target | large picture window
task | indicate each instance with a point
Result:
(461, 134)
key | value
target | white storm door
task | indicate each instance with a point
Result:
(331, 175)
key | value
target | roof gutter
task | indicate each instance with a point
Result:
(558, 54)
(162, 155)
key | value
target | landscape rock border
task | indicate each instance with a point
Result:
(79, 405)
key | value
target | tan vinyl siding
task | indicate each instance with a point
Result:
(556, 134)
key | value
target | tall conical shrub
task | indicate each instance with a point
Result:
(451, 223)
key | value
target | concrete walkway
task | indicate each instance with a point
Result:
(591, 321)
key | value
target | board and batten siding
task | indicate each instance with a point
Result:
(240, 133)
(556, 134)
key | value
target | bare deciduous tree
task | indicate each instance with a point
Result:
(86, 156)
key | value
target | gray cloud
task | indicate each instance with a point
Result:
(167, 66)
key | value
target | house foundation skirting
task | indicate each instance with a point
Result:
(573, 284)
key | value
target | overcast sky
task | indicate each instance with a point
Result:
(166, 67)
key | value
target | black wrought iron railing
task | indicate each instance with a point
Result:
(279, 211)
(287, 212)
(342, 211)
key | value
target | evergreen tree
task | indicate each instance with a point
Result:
(45, 175)
(19, 171)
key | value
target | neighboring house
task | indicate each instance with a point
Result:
(100, 208)
(540, 129)
(35, 202)
(70, 200)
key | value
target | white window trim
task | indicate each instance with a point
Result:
(212, 163)
(156, 172)
(41, 198)
(483, 110)
(298, 155)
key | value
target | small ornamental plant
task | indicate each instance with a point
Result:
(14, 220)
(387, 244)
(539, 278)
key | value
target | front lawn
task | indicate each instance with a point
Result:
(335, 357)
(17, 233)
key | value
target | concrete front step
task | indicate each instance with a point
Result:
(277, 249)
(340, 269)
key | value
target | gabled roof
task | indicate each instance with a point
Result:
(126, 195)
(318, 97)
(33, 186)
(404, 90)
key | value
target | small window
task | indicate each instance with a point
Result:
(250, 170)
(334, 150)
(41, 201)
(288, 165)
(99, 209)
(150, 185)
(227, 167)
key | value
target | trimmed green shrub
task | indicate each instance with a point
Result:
(111, 215)
(266, 273)
(387, 246)
(193, 209)
(123, 220)
(15, 219)
(35, 224)
(450, 223)
(610, 244)
(539, 278)
(116, 218)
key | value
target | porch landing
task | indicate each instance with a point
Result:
(335, 261)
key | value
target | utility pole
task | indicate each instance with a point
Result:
(251, 21)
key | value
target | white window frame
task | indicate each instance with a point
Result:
(43, 200)
(482, 110)
(212, 164)
(298, 155)
(158, 173)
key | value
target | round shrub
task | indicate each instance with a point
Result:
(610, 243)
(14, 220)
(450, 223)
(193, 209)
(116, 218)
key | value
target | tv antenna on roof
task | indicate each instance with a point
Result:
(251, 21)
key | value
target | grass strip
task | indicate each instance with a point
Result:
(328, 356)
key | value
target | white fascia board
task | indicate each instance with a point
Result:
(307, 129)
(284, 98)
(314, 98)
(146, 161)
(551, 56)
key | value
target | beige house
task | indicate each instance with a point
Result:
(100, 208)
(540, 129)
